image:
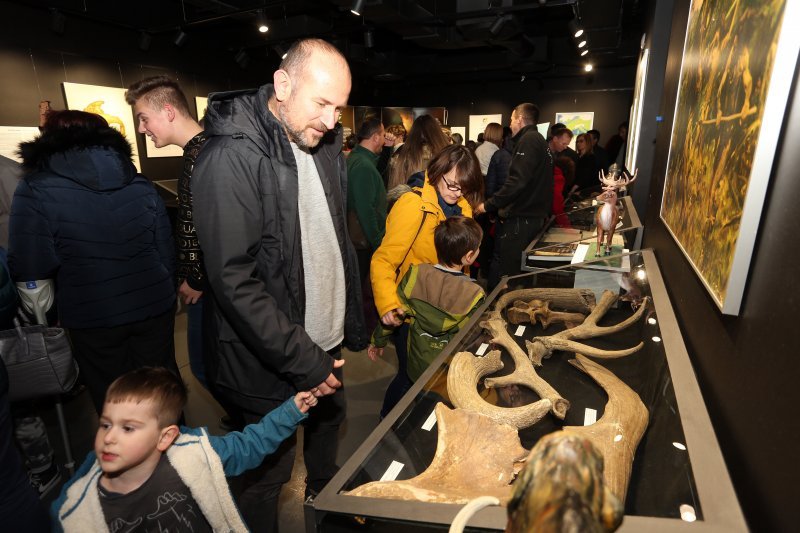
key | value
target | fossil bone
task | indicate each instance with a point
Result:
(539, 311)
(463, 376)
(618, 432)
(577, 300)
(524, 373)
(475, 456)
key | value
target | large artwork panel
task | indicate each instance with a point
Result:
(109, 103)
(577, 121)
(738, 63)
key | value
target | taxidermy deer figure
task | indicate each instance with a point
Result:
(608, 214)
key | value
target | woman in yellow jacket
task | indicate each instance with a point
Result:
(453, 185)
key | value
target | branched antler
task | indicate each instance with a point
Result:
(524, 373)
(463, 376)
(542, 347)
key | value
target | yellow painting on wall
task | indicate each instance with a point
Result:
(736, 72)
(109, 103)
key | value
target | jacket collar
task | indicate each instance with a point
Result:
(37, 152)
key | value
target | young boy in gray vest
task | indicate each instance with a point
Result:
(148, 474)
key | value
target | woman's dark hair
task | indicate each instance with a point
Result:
(468, 171)
(587, 142)
(68, 118)
(425, 136)
(456, 237)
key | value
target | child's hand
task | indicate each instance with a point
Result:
(305, 401)
(374, 352)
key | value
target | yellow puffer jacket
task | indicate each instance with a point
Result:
(401, 226)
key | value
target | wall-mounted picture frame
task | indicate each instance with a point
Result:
(737, 69)
(478, 123)
(109, 103)
(577, 121)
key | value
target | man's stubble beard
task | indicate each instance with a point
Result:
(296, 136)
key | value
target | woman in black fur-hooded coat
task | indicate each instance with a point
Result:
(83, 217)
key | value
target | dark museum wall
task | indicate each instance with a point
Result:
(747, 365)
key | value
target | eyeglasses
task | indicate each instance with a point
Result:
(451, 186)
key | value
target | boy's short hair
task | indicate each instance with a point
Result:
(454, 238)
(159, 385)
(158, 91)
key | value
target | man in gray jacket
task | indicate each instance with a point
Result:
(269, 207)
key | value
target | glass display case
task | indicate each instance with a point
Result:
(678, 480)
(572, 237)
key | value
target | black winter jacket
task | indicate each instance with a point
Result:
(246, 217)
(528, 189)
(83, 216)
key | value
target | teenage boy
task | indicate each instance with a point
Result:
(437, 299)
(162, 113)
(148, 474)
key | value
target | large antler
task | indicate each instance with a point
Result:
(542, 347)
(524, 373)
(465, 373)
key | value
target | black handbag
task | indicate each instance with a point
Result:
(39, 362)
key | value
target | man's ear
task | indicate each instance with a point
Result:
(168, 436)
(283, 85)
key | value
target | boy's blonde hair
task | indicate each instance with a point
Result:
(166, 390)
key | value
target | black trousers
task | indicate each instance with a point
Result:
(261, 487)
(104, 354)
(513, 236)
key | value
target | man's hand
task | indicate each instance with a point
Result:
(188, 294)
(393, 318)
(479, 210)
(330, 384)
(374, 353)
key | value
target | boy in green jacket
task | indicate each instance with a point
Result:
(437, 299)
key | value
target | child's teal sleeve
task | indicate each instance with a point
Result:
(244, 450)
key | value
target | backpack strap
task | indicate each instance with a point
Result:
(421, 223)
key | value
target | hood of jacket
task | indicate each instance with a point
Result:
(245, 113)
(99, 159)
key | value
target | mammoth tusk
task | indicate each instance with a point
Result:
(524, 373)
(463, 376)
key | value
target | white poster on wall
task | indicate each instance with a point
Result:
(201, 102)
(478, 123)
(544, 128)
(109, 103)
(577, 121)
(11, 136)
(461, 130)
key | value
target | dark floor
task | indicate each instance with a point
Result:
(365, 383)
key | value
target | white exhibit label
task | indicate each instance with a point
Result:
(481, 349)
(520, 331)
(392, 472)
(430, 422)
(589, 416)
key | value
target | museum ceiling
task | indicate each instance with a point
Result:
(464, 40)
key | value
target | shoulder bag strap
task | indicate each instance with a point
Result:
(421, 223)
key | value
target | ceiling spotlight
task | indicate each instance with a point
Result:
(584, 52)
(279, 51)
(57, 21)
(588, 67)
(582, 43)
(574, 29)
(242, 58)
(144, 41)
(180, 38)
(262, 23)
(369, 40)
(358, 6)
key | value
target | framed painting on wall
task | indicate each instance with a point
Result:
(635, 120)
(439, 113)
(109, 103)
(577, 121)
(737, 69)
(478, 123)
(201, 103)
(397, 115)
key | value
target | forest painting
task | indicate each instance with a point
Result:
(721, 149)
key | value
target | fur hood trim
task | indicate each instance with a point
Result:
(35, 153)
